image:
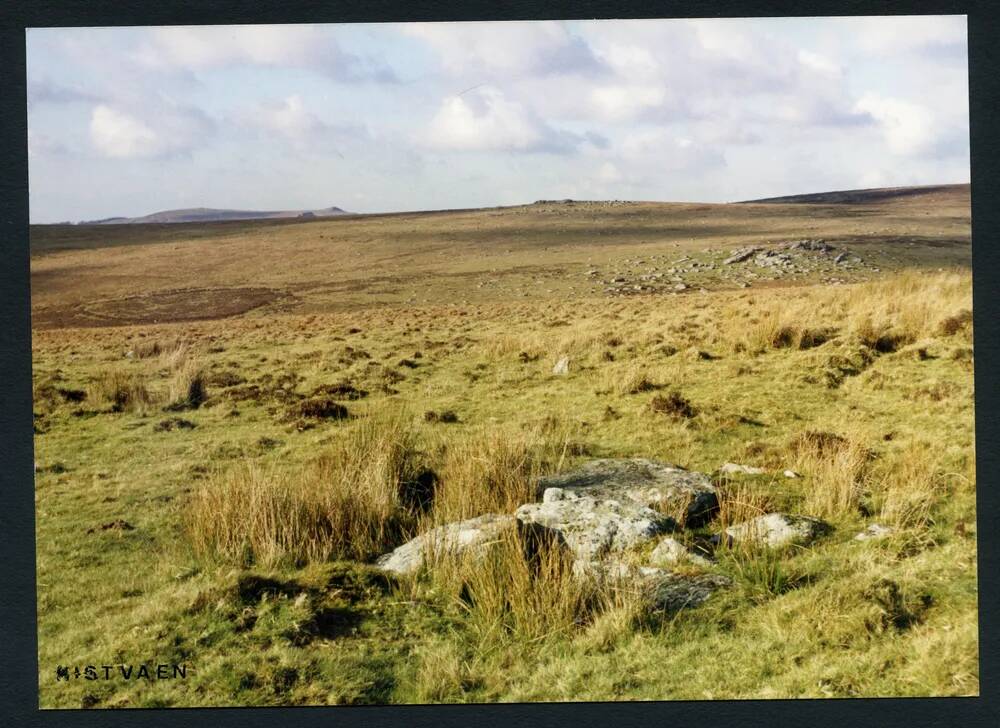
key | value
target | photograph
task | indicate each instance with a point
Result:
(521, 361)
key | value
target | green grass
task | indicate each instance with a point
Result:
(799, 623)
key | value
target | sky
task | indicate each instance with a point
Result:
(387, 117)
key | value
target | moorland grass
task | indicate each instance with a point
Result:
(249, 556)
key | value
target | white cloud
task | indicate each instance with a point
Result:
(819, 63)
(908, 127)
(123, 135)
(537, 47)
(291, 121)
(626, 102)
(661, 150)
(890, 36)
(117, 134)
(610, 173)
(295, 46)
(484, 119)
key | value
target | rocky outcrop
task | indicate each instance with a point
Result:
(614, 517)
(778, 529)
(688, 497)
(454, 539)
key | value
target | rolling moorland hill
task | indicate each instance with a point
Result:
(930, 194)
(208, 214)
(94, 275)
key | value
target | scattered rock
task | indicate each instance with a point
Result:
(689, 497)
(116, 525)
(778, 529)
(172, 423)
(318, 408)
(447, 416)
(674, 405)
(453, 538)
(791, 474)
(670, 552)
(772, 258)
(874, 531)
(592, 527)
(734, 468)
(562, 366)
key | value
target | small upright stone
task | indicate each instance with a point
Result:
(562, 366)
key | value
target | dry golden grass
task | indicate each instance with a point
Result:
(740, 502)
(252, 516)
(837, 475)
(494, 470)
(883, 314)
(910, 486)
(351, 502)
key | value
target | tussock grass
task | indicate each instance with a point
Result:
(524, 591)
(634, 380)
(837, 471)
(188, 386)
(444, 673)
(164, 348)
(673, 405)
(123, 390)
(353, 501)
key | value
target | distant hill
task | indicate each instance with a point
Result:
(853, 197)
(207, 214)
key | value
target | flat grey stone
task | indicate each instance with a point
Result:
(778, 529)
(453, 538)
(687, 496)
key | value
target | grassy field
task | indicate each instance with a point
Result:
(233, 420)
